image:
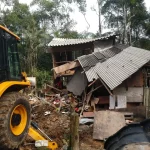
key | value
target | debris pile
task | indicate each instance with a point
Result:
(54, 123)
(52, 108)
(51, 111)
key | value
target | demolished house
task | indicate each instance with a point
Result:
(108, 75)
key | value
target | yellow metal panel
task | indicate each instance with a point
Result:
(52, 145)
(7, 30)
(5, 85)
(36, 136)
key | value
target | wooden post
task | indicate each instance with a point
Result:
(74, 125)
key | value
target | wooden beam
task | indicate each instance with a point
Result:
(92, 83)
(66, 73)
(95, 89)
(61, 62)
(106, 86)
(54, 88)
(65, 67)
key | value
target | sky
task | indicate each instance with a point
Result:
(91, 17)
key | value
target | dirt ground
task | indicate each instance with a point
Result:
(57, 126)
(86, 140)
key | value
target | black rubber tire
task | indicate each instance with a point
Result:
(7, 103)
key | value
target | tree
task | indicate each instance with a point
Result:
(17, 18)
(128, 17)
(21, 21)
(53, 14)
(34, 41)
(3, 6)
(98, 11)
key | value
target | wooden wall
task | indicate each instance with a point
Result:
(133, 94)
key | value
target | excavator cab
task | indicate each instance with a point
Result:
(9, 60)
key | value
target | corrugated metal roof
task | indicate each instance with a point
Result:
(91, 75)
(63, 42)
(88, 61)
(118, 68)
(114, 65)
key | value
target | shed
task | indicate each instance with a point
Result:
(66, 50)
(124, 73)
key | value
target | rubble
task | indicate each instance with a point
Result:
(52, 112)
(54, 123)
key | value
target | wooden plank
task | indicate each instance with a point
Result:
(54, 88)
(65, 67)
(103, 100)
(106, 123)
(112, 102)
(109, 91)
(121, 101)
(67, 73)
(92, 83)
(61, 62)
(95, 89)
(88, 114)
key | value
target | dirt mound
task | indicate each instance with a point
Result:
(55, 125)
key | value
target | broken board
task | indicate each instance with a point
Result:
(107, 123)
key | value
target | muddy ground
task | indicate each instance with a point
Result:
(57, 126)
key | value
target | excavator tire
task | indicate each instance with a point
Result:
(14, 119)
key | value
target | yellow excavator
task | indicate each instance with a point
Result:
(15, 110)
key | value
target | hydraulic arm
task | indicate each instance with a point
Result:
(37, 134)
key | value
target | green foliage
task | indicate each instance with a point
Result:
(67, 34)
(18, 18)
(53, 14)
(143, 43)
(44, 61)
(33, 42)
(129, 17)
(42, 76)
(52, 19)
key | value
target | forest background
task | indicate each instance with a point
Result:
(42, 20)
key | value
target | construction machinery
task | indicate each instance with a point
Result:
(135, 136)
(15, 109)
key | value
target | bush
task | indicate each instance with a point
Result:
(42, 76)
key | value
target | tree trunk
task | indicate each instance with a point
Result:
(125, 41)
(99, 15)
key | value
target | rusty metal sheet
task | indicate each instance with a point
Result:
(106, 123)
